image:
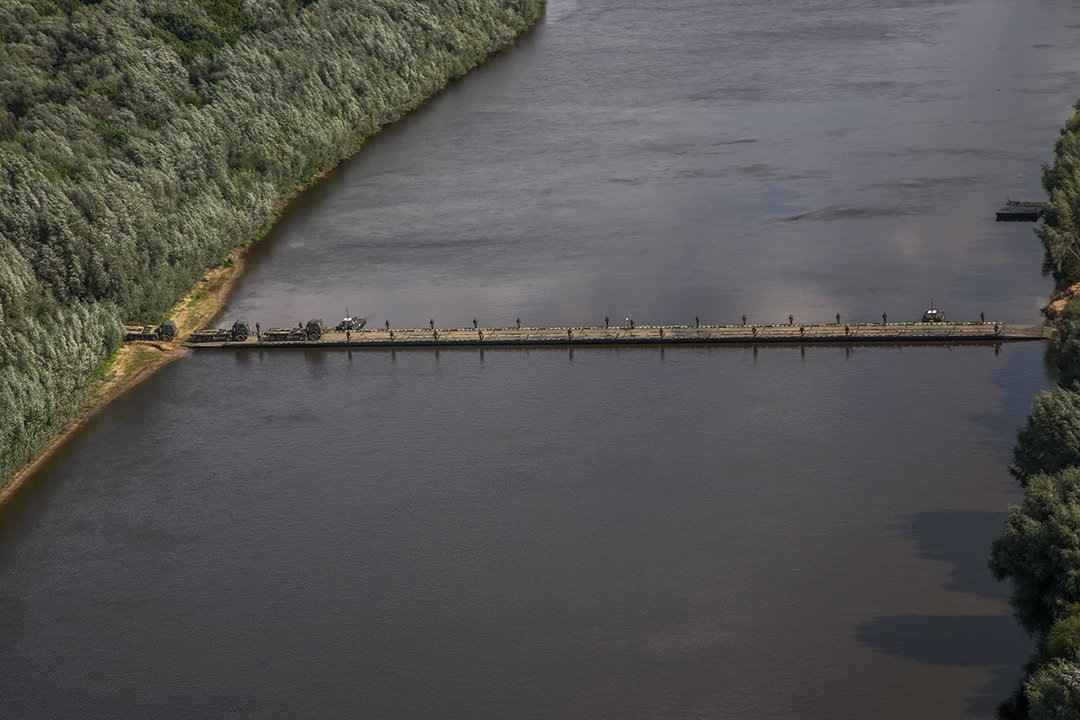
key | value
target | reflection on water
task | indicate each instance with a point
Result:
(683, 532)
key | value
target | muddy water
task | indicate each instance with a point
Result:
(604, 533)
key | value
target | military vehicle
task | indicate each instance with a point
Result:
(350, 324)
(237, 333)
(165, 331)
(312, 331)
(933, 315)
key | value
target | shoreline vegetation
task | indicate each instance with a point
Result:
(144, 142)
(1039, 550)
(136, 361)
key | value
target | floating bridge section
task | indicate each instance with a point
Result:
(652, 335)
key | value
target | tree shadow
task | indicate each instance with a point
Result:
(977, 641)
(962, 539)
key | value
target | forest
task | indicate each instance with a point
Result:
(143, 140)
(1039, 551)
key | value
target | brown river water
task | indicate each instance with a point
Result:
(602, 533)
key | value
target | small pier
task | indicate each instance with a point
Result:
(943, 333)
(1020, 211)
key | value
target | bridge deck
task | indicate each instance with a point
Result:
(852, 333)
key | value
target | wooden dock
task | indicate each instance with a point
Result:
(601, 336)
(1019, 211)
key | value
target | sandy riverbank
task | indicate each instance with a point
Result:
(134, 362)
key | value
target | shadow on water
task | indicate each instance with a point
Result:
(960, 538)
(1018, 392)
(976, 641)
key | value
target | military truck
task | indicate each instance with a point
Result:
(237, 333)
(165, 331)
(312, 331)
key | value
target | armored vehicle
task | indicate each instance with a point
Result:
(933, 315)
(349, 323)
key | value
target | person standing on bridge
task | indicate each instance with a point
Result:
(744, 320)
(982, 317)
(837, 318)
(884, 318)
(790, 319)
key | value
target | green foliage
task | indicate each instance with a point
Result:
(142, 140)
(1060, 231)
(1040, 550)
(1050, 440)
(1067, 349)
(1063, 638)
(1053, 691)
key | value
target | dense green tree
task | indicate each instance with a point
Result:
(1040, 550)
(142, 140)
(1050, 439)
(1053, 691)
(1060, 231)
(1063, 638)
(1067, 348)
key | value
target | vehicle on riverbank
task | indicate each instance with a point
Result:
(165, 331)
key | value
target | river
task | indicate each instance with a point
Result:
(631, 533)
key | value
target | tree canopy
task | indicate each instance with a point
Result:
(1050, 439)
(1040, 550)
(142, 140)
